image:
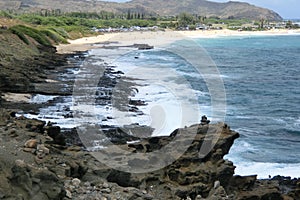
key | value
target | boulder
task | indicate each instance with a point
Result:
(55, 133)
(34, 183)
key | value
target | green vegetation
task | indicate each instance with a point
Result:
(22, 31)
(74, 21)
(186, 19)
(52, 26)
(54, 36)
(5, 14)
(20, 34)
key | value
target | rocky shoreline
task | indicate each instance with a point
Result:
(39, 160)
(37, 164)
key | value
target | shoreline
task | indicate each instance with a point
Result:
(124, 38)
(157, 38)
(160, 38)
(37, 154)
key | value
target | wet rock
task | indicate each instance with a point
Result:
(52, 131)
(288, 186)
(33, 124)
(55, 133)
(143, 46)
(262, 189)
(242, 182)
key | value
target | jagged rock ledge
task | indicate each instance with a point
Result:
(35, 164)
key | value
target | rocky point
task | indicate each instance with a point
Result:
(37, 164)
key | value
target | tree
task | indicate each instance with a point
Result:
(185, 19)
(289, 24)
(128, 14)
(262, 23)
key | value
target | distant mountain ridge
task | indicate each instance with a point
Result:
(161, 7)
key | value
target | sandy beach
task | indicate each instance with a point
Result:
(156, 38)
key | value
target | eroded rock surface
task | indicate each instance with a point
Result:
(70, 172)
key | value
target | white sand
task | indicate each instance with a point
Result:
(157, 38)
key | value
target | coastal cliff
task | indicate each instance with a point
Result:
(38, 161)
(36, 164)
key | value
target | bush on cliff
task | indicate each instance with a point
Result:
(54, 36)
(21, 31)
(20, 34)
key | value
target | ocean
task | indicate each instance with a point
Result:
(261, 76)
(263, 101)
(250, 82)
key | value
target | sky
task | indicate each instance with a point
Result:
(288, 9)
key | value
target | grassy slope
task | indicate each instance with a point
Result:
(21, 63)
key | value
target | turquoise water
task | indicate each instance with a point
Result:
(261, 76)
(263, 100)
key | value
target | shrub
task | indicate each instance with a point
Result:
(5, 14)
(21, 35)
(54, 36)
(21, 31)
(62, 32)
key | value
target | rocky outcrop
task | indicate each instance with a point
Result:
(34, 183)
(34, 166)
(28, 67)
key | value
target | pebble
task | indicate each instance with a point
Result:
(76, 182)
(217, 184)
(68, 194)
(198, 197)
(42, 148)
(29, 150)
(106, 190)
(87, 184)
(63, 165)
(105, 185)
(9, 125)
(31, 143)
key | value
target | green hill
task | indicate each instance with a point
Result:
(159, 7)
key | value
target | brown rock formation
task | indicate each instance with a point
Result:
(69, 172)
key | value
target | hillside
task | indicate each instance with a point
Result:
(160, 7)
(207, 8)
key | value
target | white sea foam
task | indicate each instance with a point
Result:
(296, 124)
(264, 170)
(38, 98)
